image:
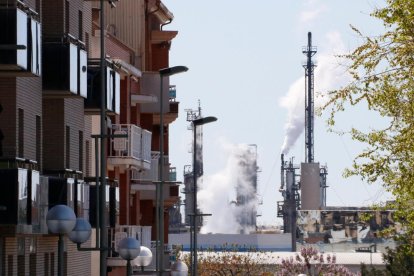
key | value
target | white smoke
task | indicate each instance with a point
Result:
(329, 75)
(217, 196)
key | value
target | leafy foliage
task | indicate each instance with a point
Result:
(310, 262)
(231, 262)
(382, 71)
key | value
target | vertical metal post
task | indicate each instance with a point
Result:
(60, 255)
(160, 211)
(129, 270)
(195, 217)
(102, 190)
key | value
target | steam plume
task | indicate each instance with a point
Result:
(218, 194)
(329, 75)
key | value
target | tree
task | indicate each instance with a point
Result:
(311, 262)
(229, 261)
(382, 72)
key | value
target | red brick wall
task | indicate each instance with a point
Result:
(53, 17)
(8, 116)
(57, 114)
(53, 134)
(29, 98)
(74, 118)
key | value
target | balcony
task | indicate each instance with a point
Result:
(113, 88)
(131, 152)
(145, 181)
(20, 41)
(149, 99)
(24, 199)
(64, 67)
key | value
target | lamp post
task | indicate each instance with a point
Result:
(196, 122)
(165, 72)
(60, 220)
(129, 249)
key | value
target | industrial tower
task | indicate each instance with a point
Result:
(309, 66)
(189, 170)
(308, 193)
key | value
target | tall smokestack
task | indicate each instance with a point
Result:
(309, 51)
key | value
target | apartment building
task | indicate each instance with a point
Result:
(50, 85)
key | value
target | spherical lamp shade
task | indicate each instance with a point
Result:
(144, 258)
(60, 219)
(129, 248)
(81, 232)
(179, 269)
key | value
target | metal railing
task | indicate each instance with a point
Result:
(137, 145)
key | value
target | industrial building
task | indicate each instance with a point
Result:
(57, 142)
(304, 211)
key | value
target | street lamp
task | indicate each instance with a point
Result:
(165, 72)
(179, 269)
(144, 258)
(129, 249)
(81, 232)
(60, 220)
(196, 122)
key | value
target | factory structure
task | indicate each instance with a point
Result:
(304, 211)
(245, 201)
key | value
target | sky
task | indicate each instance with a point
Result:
(245, 68)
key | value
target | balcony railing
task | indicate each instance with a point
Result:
(133, 151)
(65, 67)
(153, 173)
(113, 88)
(20, 41)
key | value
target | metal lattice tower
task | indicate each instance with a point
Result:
(309, 66)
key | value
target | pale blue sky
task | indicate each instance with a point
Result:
(244, 57)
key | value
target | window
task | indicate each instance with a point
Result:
(52, 263)
(46, 264)
(67, 15)
(80, 25)
(10, 264)
(67, 147)
(87, 158)
(80, 150)
(20, 133)
(38, 139)
(32, 264)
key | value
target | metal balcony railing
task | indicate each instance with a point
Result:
(135, 150)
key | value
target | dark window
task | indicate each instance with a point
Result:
(67, 147)
(67, 15)
(38, 139)
(80, 150)
(80, 31)
(32, 264)
(2, 257)
(52, 263)
(38, 10)
(87, 41)
(20, 132)
(46, 264)
(10, 265)
(20, 265)
(87, 158)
